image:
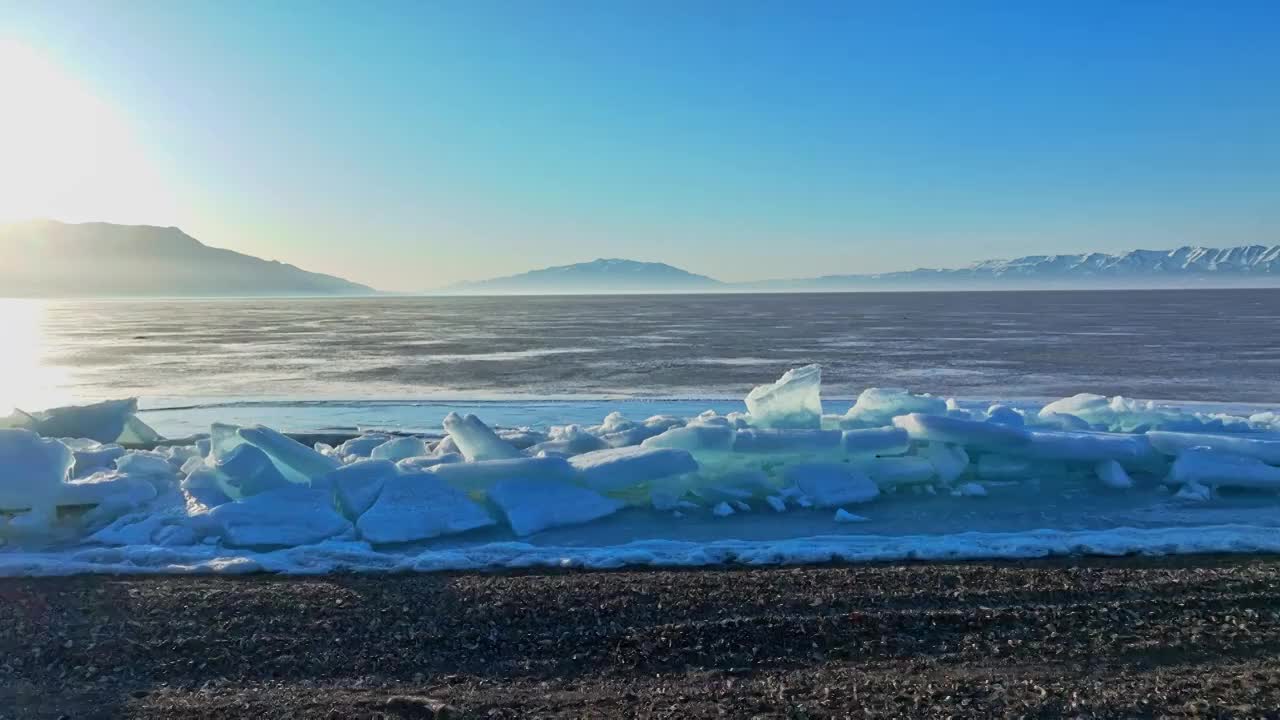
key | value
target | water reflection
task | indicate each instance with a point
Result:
(27, 381)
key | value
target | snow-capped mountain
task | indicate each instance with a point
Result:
(1246, 265)
(1252, 259)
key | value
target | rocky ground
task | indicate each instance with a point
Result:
(1133, 637)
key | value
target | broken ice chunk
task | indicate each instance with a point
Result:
(205, 486)
(166, 528)
(475, 440)
(875, 441)
(361, 446)
(969, 433)
(92, 460)
(419, 507)
(1112, 475)
(357, 485)
(891, 472)
(831, 484)
(1062, 421)
(619, 468)
(121, 491)
(33, 472)
(137, 432)
(1194, 493)
(18, 420)
(844, 516)
(949, 461)
(970, 490)
(521, 438)
(446, 446)
(535, 505)
(1089, 447)
(1086, 406)
(469, 476)
(794, 401)
(1120, 414)
(1005, 415)
(631, 436)
(284, 517)
(786, 441)
(736, 486)
(418, 464)
(694, 438)
(145, 463)
(667, 493)
(1173, 443)
(297, 462)
(614, 422)
(1266, 420)
(222, 439)
(879, 406)
(569, 440)
(1202, 466)
(104, 421)
(400, 448)
(247, 470)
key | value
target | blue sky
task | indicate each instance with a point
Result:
(410, 145)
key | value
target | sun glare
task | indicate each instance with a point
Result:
(65, 153)
(26, 382)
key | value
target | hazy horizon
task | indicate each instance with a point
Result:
(52, 260)
(410, 147)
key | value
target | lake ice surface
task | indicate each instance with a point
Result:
(992, 346)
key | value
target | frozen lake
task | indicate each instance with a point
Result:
(1214, 345)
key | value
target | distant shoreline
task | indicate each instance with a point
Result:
(679, 293)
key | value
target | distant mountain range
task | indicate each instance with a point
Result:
(598, 276)
(44, 258)
(1245, 266)
(1182, 267)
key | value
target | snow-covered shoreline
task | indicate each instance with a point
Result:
(338, 556)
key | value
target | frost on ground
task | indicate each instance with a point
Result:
(77, 492)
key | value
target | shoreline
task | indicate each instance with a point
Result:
(1106, 637)
(501, 554)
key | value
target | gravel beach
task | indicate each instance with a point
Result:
(1128, 637)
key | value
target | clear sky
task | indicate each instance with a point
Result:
(411, 145)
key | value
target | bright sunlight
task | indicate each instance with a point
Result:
(66, 152)
(26, 382)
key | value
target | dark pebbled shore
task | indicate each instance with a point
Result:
(1129, 637)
